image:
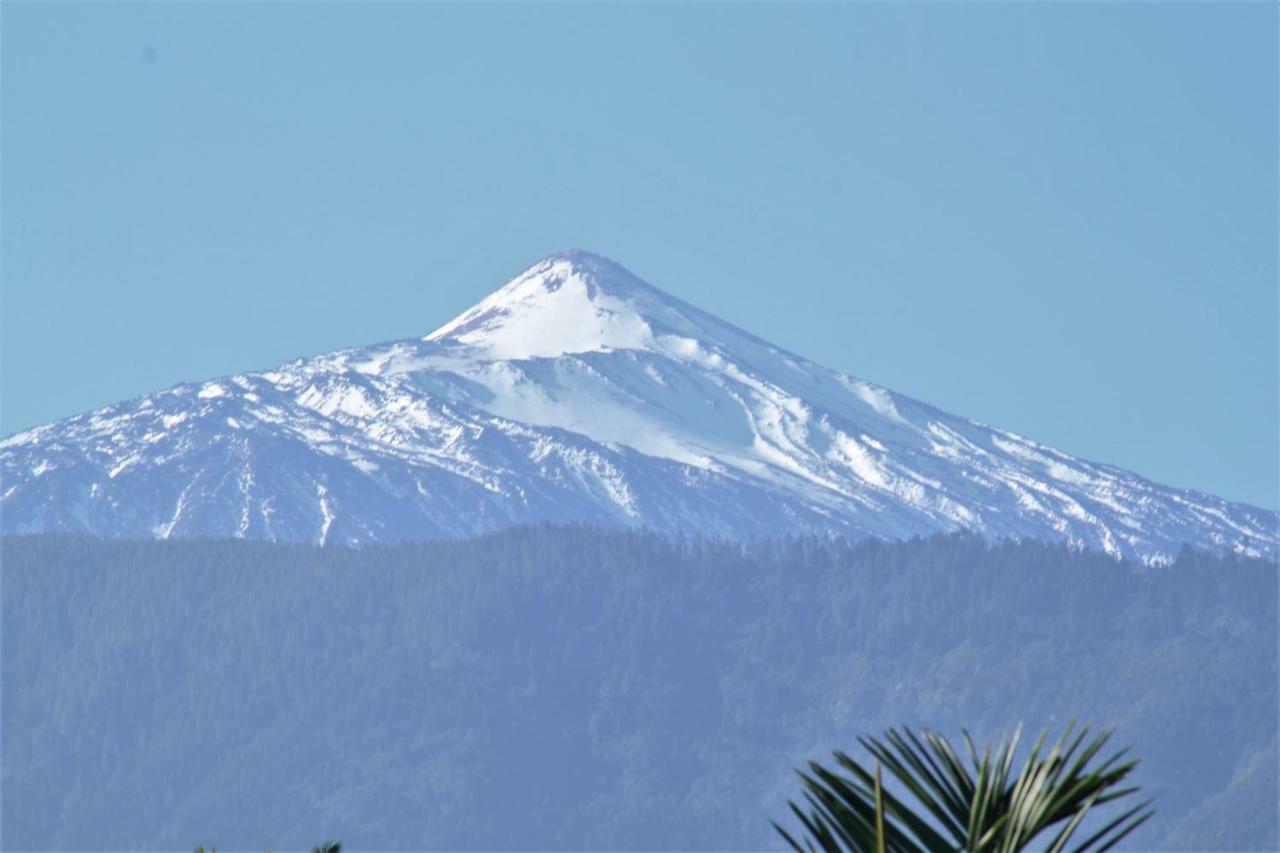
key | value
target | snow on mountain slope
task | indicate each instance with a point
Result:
(578, 393)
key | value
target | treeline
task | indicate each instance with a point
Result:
(566, 687)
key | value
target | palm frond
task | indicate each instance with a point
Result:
(978, 806)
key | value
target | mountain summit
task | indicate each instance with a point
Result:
(573, 302)
(578, 393)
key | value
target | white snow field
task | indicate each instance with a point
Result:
(578, 393)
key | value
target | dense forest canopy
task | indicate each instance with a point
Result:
(567, 687)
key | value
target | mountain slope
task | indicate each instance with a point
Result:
(610, 690)
(578, 393)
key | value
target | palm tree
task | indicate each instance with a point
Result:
(979, 807)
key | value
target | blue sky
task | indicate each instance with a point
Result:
(1059, 219)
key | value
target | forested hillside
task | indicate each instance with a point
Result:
(563, 687)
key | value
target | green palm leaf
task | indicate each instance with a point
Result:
(977, 806)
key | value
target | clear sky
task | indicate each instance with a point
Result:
(1060, 219)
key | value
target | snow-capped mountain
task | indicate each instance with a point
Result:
(578, 393)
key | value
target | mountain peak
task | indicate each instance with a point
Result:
(600, 274)
(584, 260)
(569, 301)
